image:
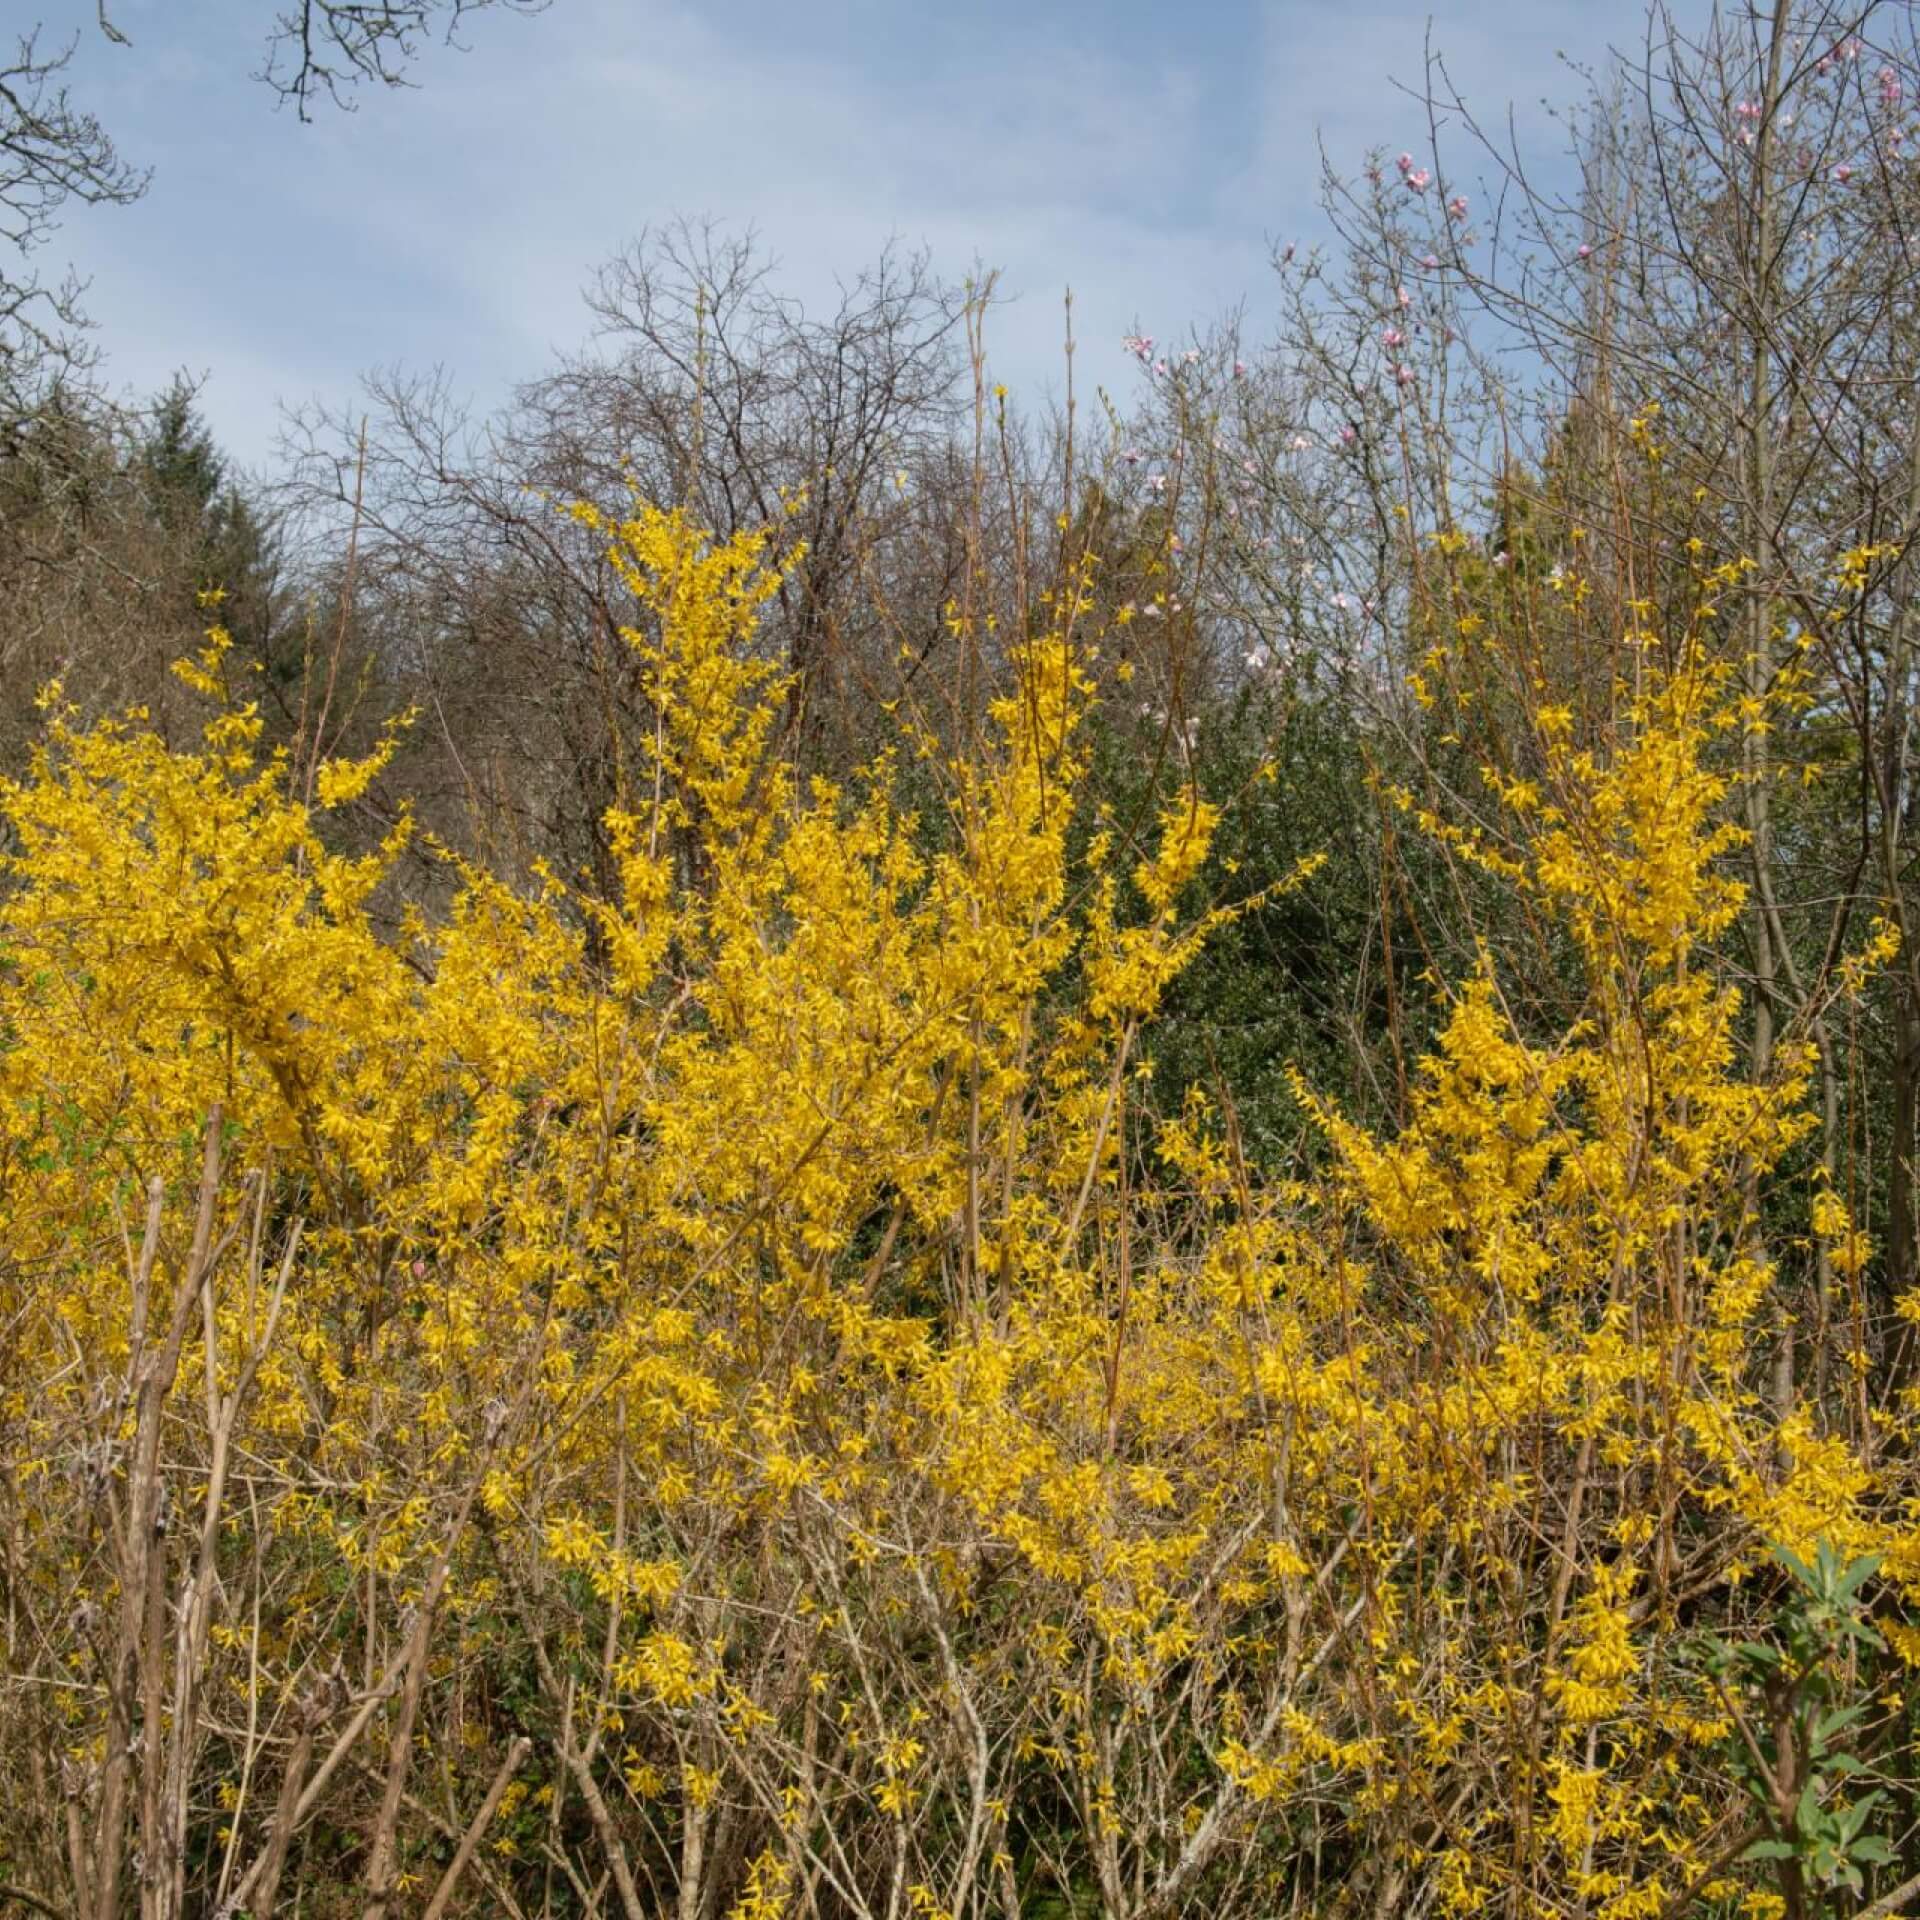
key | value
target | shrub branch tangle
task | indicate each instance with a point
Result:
(1004, 1172)
(725, 1399)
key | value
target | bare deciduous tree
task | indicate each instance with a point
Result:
(325, 49)
(51, 153)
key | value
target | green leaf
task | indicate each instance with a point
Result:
(1851, 1819)
(1807, 1816)
(1829, 1724)
(1798, 1568)
(1858, 1575)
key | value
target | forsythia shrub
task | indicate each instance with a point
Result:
(726, 1400)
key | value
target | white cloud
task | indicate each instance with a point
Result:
(1143, 163)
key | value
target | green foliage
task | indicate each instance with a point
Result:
(1801, 1702)
(1295, 978)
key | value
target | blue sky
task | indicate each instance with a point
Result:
(1146, 157)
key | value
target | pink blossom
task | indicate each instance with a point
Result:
(1140, 345)
(1457, 206)
(1430, 260)
(1842, 174)
(1583, 251)
(1405, 163)
(1239, 369)
(1191, 355)
(1393, 337)
(1300, 443)
(1746, 110)
(1403, 296)
(1157, 482)
(1349, 434)
(1130, 456)
(1404, 375)
(1159, 366)
(1419, 180)
(1890, 88)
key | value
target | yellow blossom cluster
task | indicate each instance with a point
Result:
(730, 1380)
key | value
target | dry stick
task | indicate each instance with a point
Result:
(1122, 1306)
(1891, 1902)
(255, 1693)
(383, 1854)
(694, 1823)
(142, 1570)
(294, 1809)
(1099, 1138)
(196, 1614)
(384, 1851)
(478, 1866)
(340, 628)
(960, 1893)
(604, 1829)
(297, 1801)
(576, 1763)
(110, 1834)
(610, 1641)
(77, 1865)
(1757, 505)
(153, 1680)
(1208, 1836)
(443, 1893)
(286, 1813)
(33, 1900)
